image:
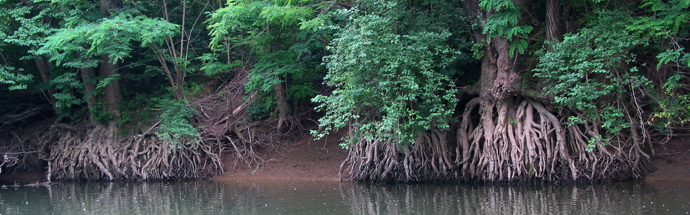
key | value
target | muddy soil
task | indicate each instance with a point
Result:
(672, 162)
(304, 159)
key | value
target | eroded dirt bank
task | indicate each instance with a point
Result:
(304, 159)
(672, 162)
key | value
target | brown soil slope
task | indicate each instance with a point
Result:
(305, 159)
(672, 162)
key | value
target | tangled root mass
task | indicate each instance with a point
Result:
(517, 139)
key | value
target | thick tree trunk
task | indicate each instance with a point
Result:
(498, 77)
(108, 5)
(112, 92)
(113, 95)
(516, 138)
(553, 20)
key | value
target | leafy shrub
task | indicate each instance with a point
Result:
(385, 69)
(257, 111)
(593, 71)
(175, 127)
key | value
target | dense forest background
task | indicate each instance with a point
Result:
(432, 90)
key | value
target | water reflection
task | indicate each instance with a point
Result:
(113, 198)
(309, 197)
(454, 199)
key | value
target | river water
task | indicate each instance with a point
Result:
(325, 197)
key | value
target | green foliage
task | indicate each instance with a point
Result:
(670, 18)
(33, 30)
(11, 76)
(212, 66)
(590, 70)
(385, 70)
(193, 89)
(65, 86)
(175, 127)
(284, 39)
(75, 34)
(107, 80)
(592, 143)
(669, 22)
(75, 47)
(99, 113)
(669, 26)
(257, 111)
(504, 23)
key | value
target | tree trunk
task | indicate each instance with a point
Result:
(516, 138)
(43, 67)
(498, 77)
(108, 5)
(112, 96)
(282, 105)
(112, 92)
(553, 21)
(178, 86)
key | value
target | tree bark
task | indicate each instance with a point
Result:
(282, 105)
(112, 92)
(178, 90)
(553, 21)
(498, 77)
(108, 5)
(489, 150)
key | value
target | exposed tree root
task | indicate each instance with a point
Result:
(232, 130)
(21, 147)
(522, 140)
(97, 153)
(427, 159)
(144, 157)
(223, 116)
(517, 139)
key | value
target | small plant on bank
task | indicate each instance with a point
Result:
(175, 127)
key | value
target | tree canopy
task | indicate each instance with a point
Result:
(491, 90)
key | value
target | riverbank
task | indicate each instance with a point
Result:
(672, 162)
(319, 160)
(304, 159)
